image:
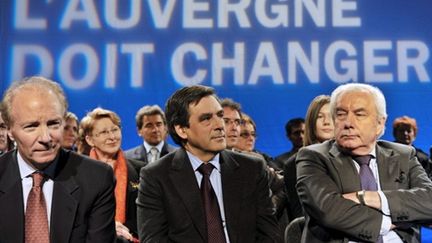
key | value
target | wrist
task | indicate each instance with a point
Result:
(360, 196)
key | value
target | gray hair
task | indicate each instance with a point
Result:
(377, 95)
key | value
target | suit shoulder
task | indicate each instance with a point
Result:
(131, 152)
(244, 159)
(396, 147)
(163, 163)
(85, 164)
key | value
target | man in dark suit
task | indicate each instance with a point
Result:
(151, 126)
(355, 188)
(77, 194)
(294, 130)
(170, 207)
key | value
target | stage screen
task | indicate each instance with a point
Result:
(272, 56)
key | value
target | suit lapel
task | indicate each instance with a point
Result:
(142, 153)
(388, 168)
(232, 190)
(184, 181)
(11, 201)
(64, 205)
(348, 177)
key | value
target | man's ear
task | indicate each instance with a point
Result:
(181, 131)
(10, 135)
(381, 124)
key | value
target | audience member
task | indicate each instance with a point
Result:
(70, 132)
(405, 132)
(102, 130)
(318, 128)
(82, 146)
(6, 143)
(48, 194)
(356, 188)
(151, 126)
(246, 144)
(294, 130)
(232, 119)
(233, 204)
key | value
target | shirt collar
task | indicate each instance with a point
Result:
(196, 162)
(147, 146)
(27, 169)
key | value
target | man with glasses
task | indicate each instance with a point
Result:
(151, 126)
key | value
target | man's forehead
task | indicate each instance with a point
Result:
(228, 111)
(153, 117)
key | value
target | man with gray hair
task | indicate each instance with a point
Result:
(151, 126)
(357, 188)
(48, 194)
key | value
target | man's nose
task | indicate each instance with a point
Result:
(44, 135)
(349, 121)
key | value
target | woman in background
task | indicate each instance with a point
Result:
(70, 132)
(102, 132)
(318, 128)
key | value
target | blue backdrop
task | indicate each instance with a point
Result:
(272, 56)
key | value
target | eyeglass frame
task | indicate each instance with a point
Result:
(106, 133)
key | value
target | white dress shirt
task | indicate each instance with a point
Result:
(26, 170)
(216, 182)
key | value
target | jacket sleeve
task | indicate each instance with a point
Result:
(152, 221)
(412, 202)
(320, 191)
(101, 227)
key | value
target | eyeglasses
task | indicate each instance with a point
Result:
(247, 135)
(105, 133)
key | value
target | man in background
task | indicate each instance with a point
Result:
(232, 119)
(294, 130)
(152, 128)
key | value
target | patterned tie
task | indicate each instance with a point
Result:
(215, 232)
(154, 154)
(36, 220)
(367, 178)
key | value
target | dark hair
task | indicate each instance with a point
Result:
(148, 110)
(228, 102)
(177, 108)
(295, 122)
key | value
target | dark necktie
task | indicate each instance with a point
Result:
(215, 232)
(36, 220)
(367, 178)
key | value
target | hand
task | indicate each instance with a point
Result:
(123, 231)
(351, 196)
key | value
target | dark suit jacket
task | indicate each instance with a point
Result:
(82, 205)
(324, 173)
(140, 153)
(170, 206)
(294, 207)
(134, 167)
